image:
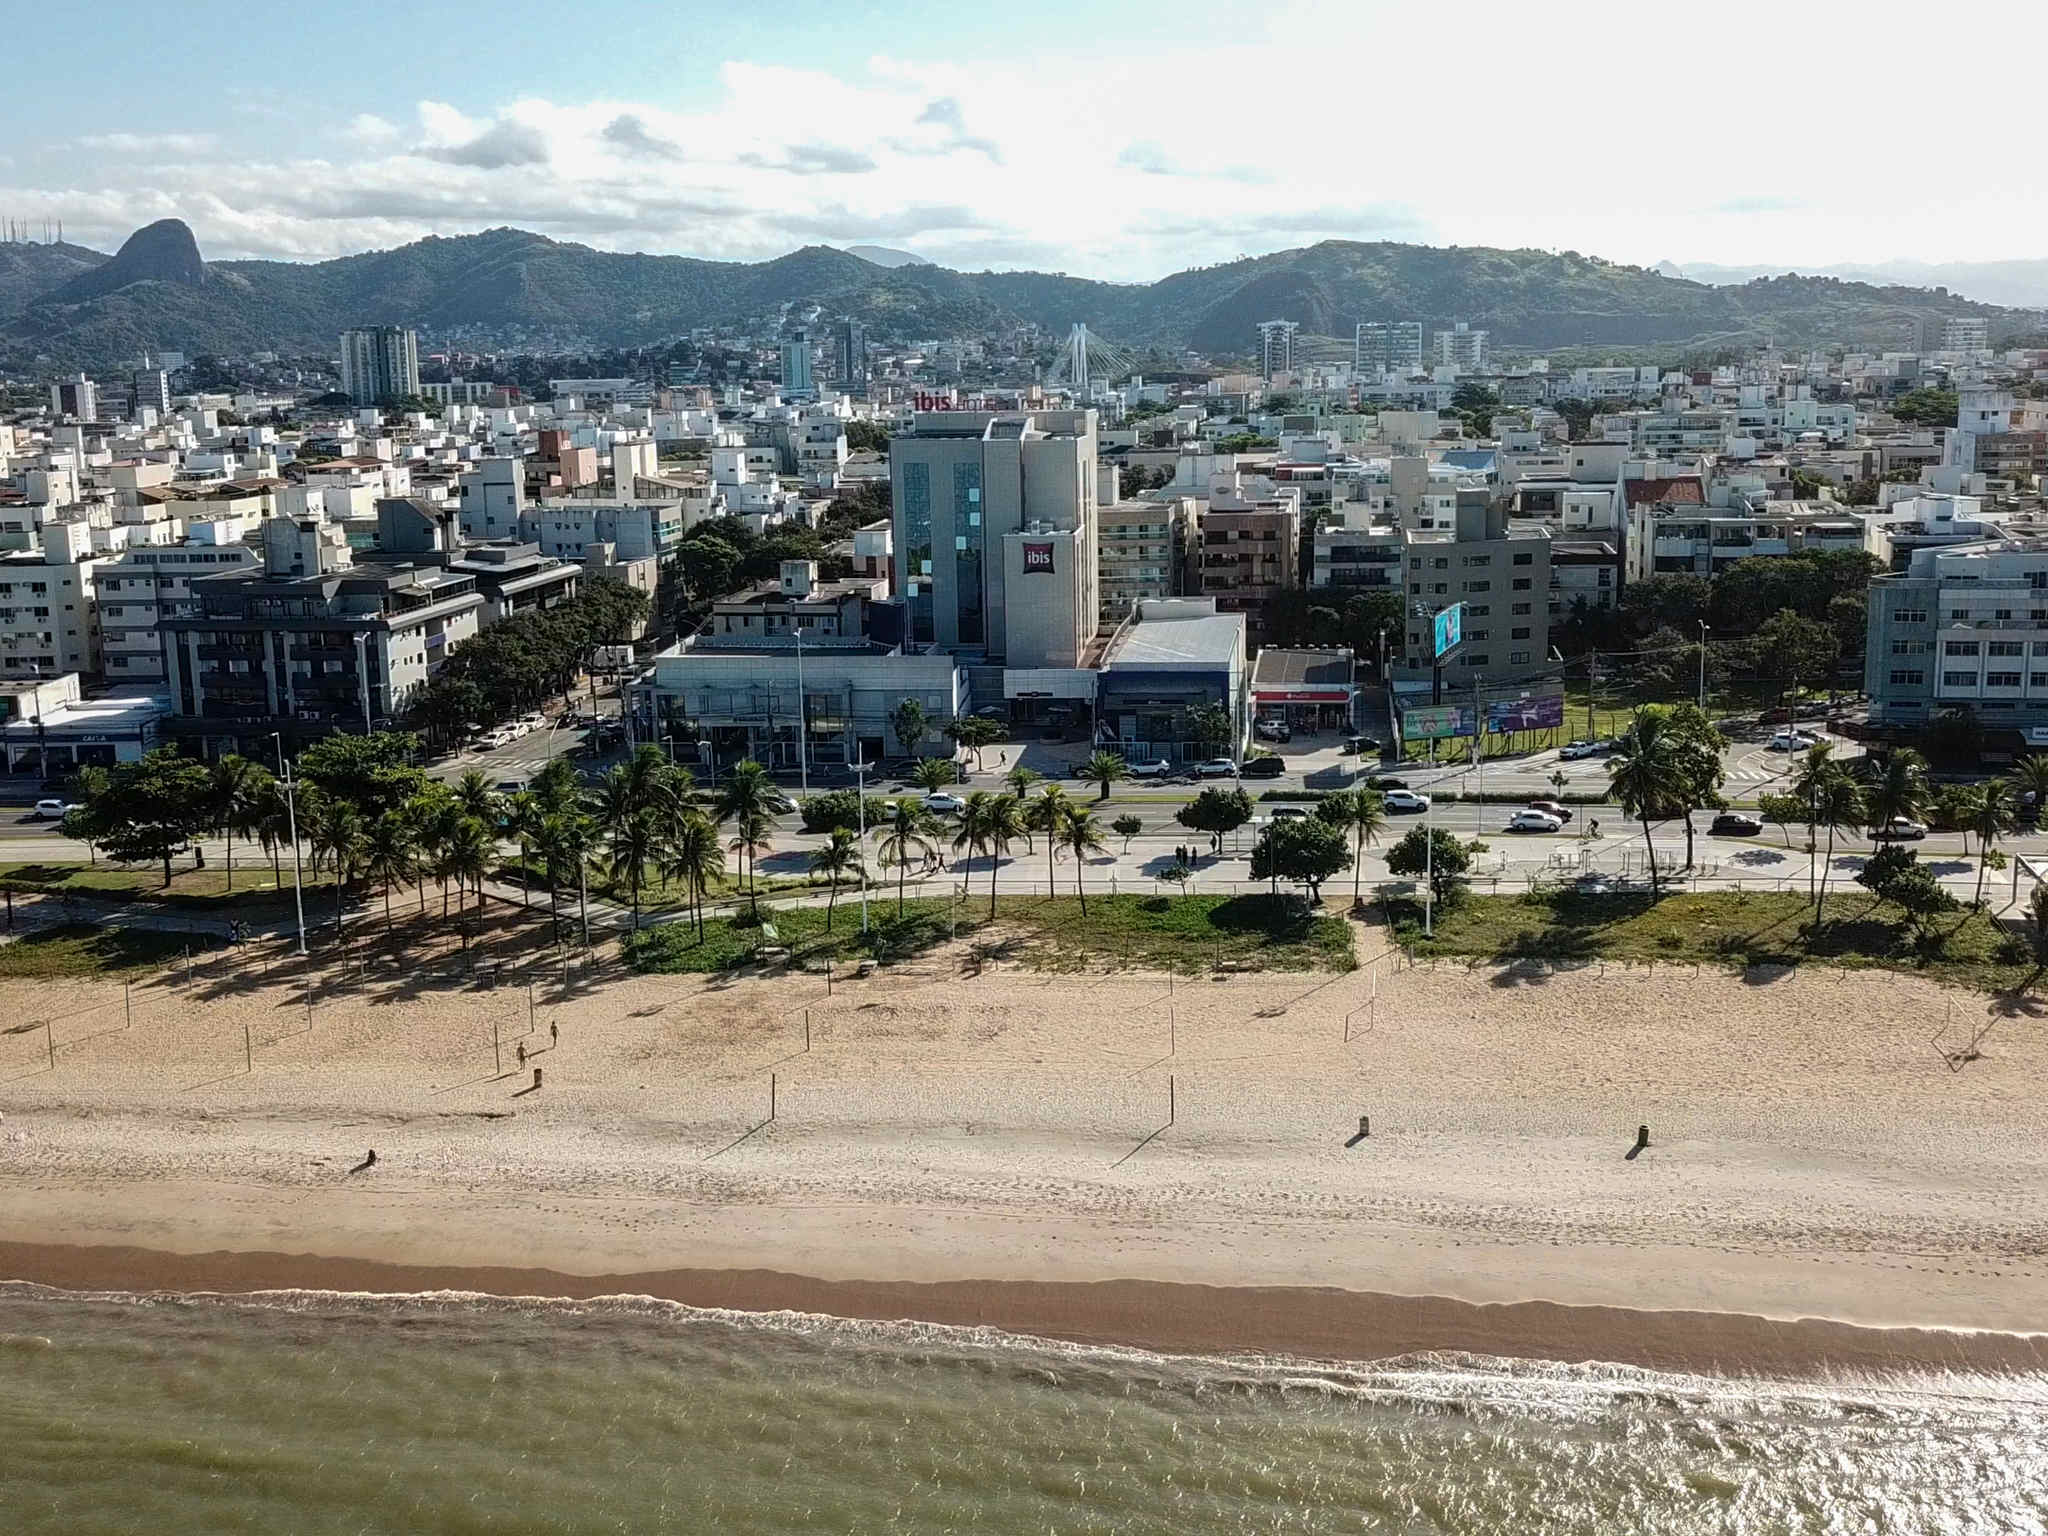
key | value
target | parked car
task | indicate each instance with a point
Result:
(1571, 751)
(1359, 746)
(1382, 781)
(1902, 829)
(1289, 813)
(1216, 768)
(1267, 767)
(1272, 730)
(778, 802)
(508, 787)
(1534, 821)
(53, 810)
(1405, 800)
(993, 712)
(1791, 741)
(1552, 808)
(939, 803)
(1736, 824)
(1153, 770)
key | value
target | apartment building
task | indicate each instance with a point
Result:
(1930, 521)
(147, 583)
(1143, 549)
(1387, 346)
(1500, 571)
(1666, 537)
(797, 603)
(1962, 626)
(380, 364)
(1251, 552)
(1461, 348)
(309, 642)
(49, 621)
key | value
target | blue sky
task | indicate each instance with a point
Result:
(1113, 141)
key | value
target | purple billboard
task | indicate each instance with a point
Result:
(1539, 712)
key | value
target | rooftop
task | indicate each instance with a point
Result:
(1279, 668)
(1170, 633)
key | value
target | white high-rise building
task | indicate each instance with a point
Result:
(1394, 345)
(1276, 346)
(1462, 348)
(76, 398)
(380, 364)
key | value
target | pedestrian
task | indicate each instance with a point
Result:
(554, 1033)
(521, 1049)
(1593, 826)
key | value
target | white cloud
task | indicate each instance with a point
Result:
(151, 143)
(1129, 163)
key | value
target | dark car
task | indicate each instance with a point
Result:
(1359, 746)
(1736, 824)
(1379, 781)
(1263, 768)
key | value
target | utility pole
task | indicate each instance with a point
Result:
(1703, 665)
(860, 772)
(1592, 681)
(291, 808)
(803, 718)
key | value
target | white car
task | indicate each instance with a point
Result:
(1217, 768)
(1791, 741)
(939, 803)
(1534, 821)
(1404, 800)
(53, 810)
(1571, 751)
(1158, 770)
(1903, 828)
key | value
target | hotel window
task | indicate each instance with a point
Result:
(1959, 648)
(1913, 679)
(1958, 679)
(2001, 679)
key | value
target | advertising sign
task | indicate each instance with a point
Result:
(1450, 627)
(1542, 712)
(1037, 557)
(1423, 721)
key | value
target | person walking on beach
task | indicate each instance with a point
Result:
(521, 1049)
(554, 1034)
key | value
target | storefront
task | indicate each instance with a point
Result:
(1304, 691)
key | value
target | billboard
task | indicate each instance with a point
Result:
(1037, 557)
(1450, 628)
(1539, 712)
(1420, 722)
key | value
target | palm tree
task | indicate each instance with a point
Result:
(336, 835)
(1645, 776)
(1901, 790)
(989, 824)
(1044, 813)
(627, 829)
(688, 850)
(1955, 806)
(390, 854)
(1365, 813)
(743, 801)
(1819, 768)
(232, 800)
(270, 821)
(1995, 816)
(523, 818)
(465, 856)
(2029, 779)
(1104, 768)
(907, 834)
(1020, 779)
(1080, 836)
(475, 797)
(933, 774)
(839, 857)
(1838, 802)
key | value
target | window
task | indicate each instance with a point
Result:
(1959, 648)
(2005, 648)
(1478, 586)
(1518, 634)
(1523, 583)
(1921, 647)
(1477, 610)
(2037, 679)
(1958, 679)
(1478, 560)
(1517, 658)
(1909, 615)
(1908, 679)
(1441, 563)
(2001, 679)
(1524, 558)
(1440, 589)
(1517, 608)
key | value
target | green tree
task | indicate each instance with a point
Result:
(1216, 811)
(1896, 875)
(1043, 813)
(234, 795)
(688, 850)
(1207, 727)
(1927, 407)
(1697, 772)
(1673, 600)
(1953, 808)
(1127, 827)
(389, 856)
(840, 808)
(1364, 813)
(839, 859)
(1104, 769)
(1795, 650)
(910, 725)
(743, 803)
(337, 835)
(1838, 802)
(1306, 851)
(626, 809)
(2029, 780)
(989, 824)
(1020, 779)
(151, 810)
(465, 857)
(1646, 775)
(972, 733)
(909, 832)
(1781, 811)
(1078, 833)
(1434, 854)
(933, 774)
(1995, 816)
(1899, 790)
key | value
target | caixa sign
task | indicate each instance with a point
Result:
(1037, 557)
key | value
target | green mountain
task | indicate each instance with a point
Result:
(507, 287)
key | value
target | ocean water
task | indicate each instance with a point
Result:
(319, 1412)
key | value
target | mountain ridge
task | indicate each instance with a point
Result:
(508, 287)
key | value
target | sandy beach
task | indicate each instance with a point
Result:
(1122, 1157)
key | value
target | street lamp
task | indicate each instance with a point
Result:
(291, 810)
(1703, 665)
(709, 757)
(860, 793)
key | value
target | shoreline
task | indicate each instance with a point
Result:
(1167, 1317)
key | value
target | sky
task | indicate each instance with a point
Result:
(1101, 140)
